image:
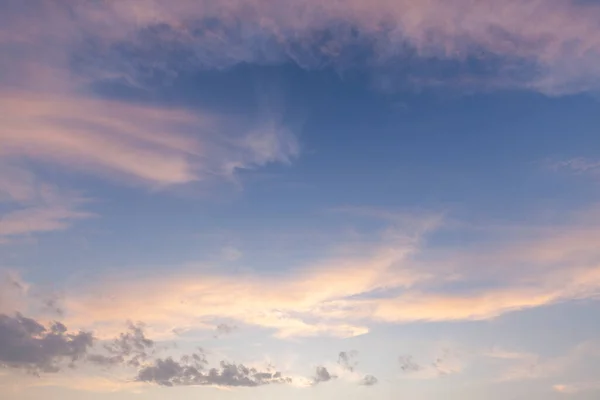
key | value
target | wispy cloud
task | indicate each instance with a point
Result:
(293, 304)
(398, 280)
(130, 144)
(445, 363)
(576, 363)
(579, 165)
(577, 387)
(34, 206)
(157, 146)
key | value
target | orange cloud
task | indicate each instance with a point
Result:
(342, 296)
(287, 304)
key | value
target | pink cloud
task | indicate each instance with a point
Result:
(35, 206)
(159, 146)
(563, 44)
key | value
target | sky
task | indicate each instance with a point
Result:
(267, 199)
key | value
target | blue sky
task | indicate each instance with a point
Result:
(274, 199)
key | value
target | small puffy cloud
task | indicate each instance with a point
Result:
(347, 359)
(408, 365)
(322, 375)
(369, 380)
(27, 344)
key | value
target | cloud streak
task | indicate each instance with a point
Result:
(35, 206)
(399, 280)
(156, 146)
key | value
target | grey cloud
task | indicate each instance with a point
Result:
(408, 365)
(442, 365)
(322, 375)
(347, 360)
(224, 329)
(193, 370)
(369, 380)
(27, 344)
(130, 348)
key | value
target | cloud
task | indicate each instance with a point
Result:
(151, 145)
(130, 348)
(26, 344)
(35, 206)
(578, 165)
(322, 375)
(579, 387)
(407, 364)
(192, 370)
(579, 362)
(431, 42)
(224, 329)
(369, 380)
(347, 360)
(446, 363)
(290, 304)
(53, 117)
(131, 144)
(13, 292)
(99, 135)
(398, 280)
